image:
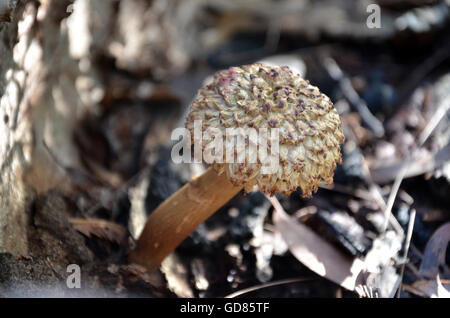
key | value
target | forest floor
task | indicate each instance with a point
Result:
(393, 96)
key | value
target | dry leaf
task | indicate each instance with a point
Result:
(435, 250)
(430, 288)
(314, 252)
(136, 272)
(442, 292)
(101, 228)
(177, 276)
(433, 257)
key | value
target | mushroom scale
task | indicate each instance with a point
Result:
(261, 96)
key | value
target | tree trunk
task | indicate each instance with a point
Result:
(53, 72)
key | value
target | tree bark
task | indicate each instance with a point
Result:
(53, 73)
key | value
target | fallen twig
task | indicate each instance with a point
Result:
(412, 218)
(421, 71)
(352, 96)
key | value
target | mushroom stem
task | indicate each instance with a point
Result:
(178, 216)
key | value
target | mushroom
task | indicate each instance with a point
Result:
(250, 96)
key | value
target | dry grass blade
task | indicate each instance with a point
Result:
(412, 218)
(314, 252)
(432, 124)
(352, 96)
(266, 285)
(101, 228)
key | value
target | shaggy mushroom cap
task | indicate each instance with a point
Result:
(261, 96)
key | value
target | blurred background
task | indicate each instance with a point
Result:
(103, 84)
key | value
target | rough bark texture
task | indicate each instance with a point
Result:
(37, 107)
(51, 56)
